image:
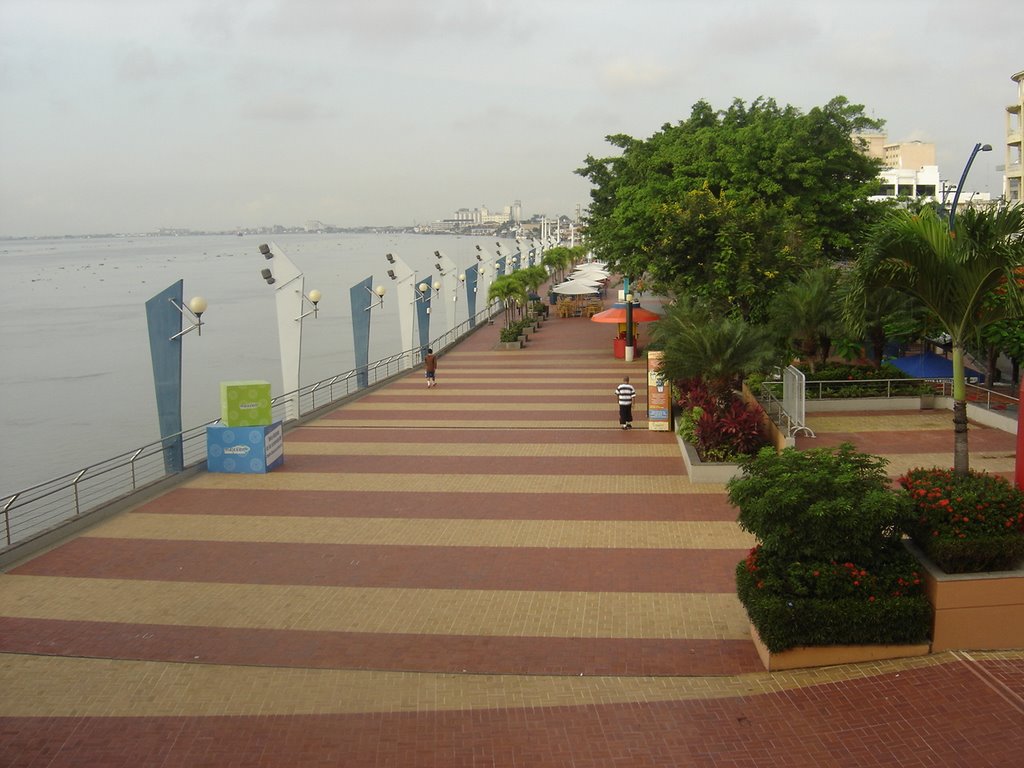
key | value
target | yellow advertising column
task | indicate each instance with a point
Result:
(659, 401)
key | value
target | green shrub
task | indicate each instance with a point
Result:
(688, 419)
(965, 524)
(850, 372)
(829, 568)
(821, 504)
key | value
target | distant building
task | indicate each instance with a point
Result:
(908, 154)
(920, 182)
(909, 168)
(1013, 176)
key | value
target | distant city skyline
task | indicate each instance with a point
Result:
(129, 117)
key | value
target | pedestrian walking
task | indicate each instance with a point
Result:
(626, 394)
(430, 368)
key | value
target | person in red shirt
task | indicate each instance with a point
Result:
(430, 368)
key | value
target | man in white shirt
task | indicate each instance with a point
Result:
(626, 394)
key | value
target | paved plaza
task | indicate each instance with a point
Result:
(485, 573)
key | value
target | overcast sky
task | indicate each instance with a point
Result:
(130, 115)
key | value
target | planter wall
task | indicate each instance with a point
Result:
(777, 437)
(974, 611)
(509, 345)
(909, 403)
(705, 472)
(829, 655)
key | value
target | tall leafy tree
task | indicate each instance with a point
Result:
(966, 278)
(733, 193)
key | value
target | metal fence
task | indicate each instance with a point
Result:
(790, 416)
(46, 505)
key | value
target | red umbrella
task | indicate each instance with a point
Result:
(617, 314)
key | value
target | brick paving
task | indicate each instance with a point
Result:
(490, 572)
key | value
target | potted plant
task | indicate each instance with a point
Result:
(968, 533)
(508, 338)
(828, 581)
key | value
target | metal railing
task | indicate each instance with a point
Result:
(990, 400)
(770, 395)
(882, 388)
(42, 507)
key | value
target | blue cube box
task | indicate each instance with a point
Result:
(244, 450)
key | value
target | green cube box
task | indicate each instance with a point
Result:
(245, 403)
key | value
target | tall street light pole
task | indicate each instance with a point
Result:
(979, 147)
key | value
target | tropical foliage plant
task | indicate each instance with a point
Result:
(806, 312)
(720, 427)
(828, 568)
(966, 278)
(510, 292)
(720, 350)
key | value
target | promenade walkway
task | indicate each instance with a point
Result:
(487, 573)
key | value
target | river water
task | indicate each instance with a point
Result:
(76, 377)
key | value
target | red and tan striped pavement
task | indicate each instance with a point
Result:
(488, 573)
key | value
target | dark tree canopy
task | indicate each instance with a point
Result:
(724, 203)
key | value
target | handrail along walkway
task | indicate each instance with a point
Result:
(42, 507)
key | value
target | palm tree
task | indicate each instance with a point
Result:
(806, 311)
(877, 316)
(717, 349)
(509, 291)
(559, 259)
(965, 278)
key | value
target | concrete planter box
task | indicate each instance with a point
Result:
(974, 611)
(705, 472)
(508, 345)
(830, 655)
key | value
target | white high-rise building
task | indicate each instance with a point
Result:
(1013, 176)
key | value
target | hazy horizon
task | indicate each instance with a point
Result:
(221, 114)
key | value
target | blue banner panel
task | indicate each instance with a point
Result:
(472, 277)
(361, 299)
(165, 320)
(423, 314)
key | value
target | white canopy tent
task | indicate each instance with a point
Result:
(575, 288)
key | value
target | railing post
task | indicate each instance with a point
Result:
(7, 517)
(74, 483)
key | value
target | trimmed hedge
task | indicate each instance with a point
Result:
(829, 568)
(830, 603)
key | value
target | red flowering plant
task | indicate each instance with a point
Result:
(829, 568)
(720, 427)
(967, 523)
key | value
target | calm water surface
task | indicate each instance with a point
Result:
(76, 377)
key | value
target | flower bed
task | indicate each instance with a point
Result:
(830, 603)
(966, 524)
(721, 429)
